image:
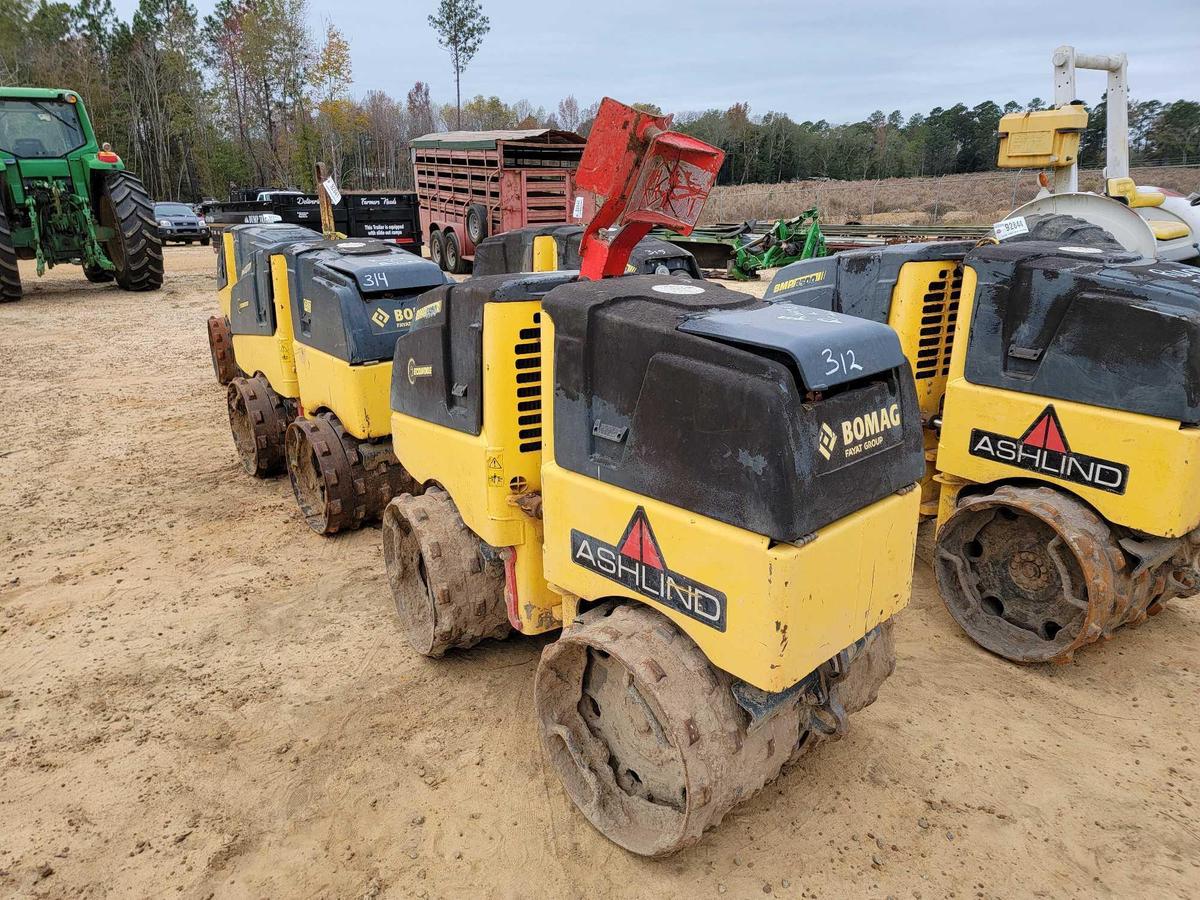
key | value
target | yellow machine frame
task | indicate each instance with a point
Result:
(930, 298)
(225, 294)
(487, 473)
(924, 313)
(1163, 493)
(358, 395)
(271, 354)
(790, 607)
(774, 590)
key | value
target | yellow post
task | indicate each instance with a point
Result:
(545, 254)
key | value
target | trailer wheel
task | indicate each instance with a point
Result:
(455, 264)
(135, 247)
(437, 249)
(477, 223)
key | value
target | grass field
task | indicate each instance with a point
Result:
(980, 198)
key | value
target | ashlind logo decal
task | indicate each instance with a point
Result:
(1043, 448)
(636, 562)
(415, 371)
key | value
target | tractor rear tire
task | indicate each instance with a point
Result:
(437, 250)
(135, 248)
(220, 348)
(10, 275)
(477, 223)
(648, 738)
(97, 275)
(455, 264)
(447, 584)
(340, 482)
(258, 418)
(1068, 230)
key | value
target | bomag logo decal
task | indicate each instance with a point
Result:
(415, 371)
(636, 562)
(852, 438)
(827, 441)
(1044, 449)
(429, 310)
(397, 319)
(810, 278)
(866, 428)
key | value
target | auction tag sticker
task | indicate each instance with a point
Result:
(577, 212)
(1010, 228)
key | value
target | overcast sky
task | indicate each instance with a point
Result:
(837, 61)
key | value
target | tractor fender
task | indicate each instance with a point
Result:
(95, 171)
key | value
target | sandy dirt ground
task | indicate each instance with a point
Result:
(200, 698)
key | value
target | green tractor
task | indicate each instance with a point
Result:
(64, 198)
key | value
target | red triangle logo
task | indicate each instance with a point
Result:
(639, 542)
(1046, 432)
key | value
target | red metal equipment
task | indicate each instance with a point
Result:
(472, 184)
(646, 176)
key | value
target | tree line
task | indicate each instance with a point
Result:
(944, 141)
(247, 96)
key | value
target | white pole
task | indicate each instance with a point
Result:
(1066, 178)
(1118, 121)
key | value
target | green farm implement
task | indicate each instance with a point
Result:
(743, 249)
